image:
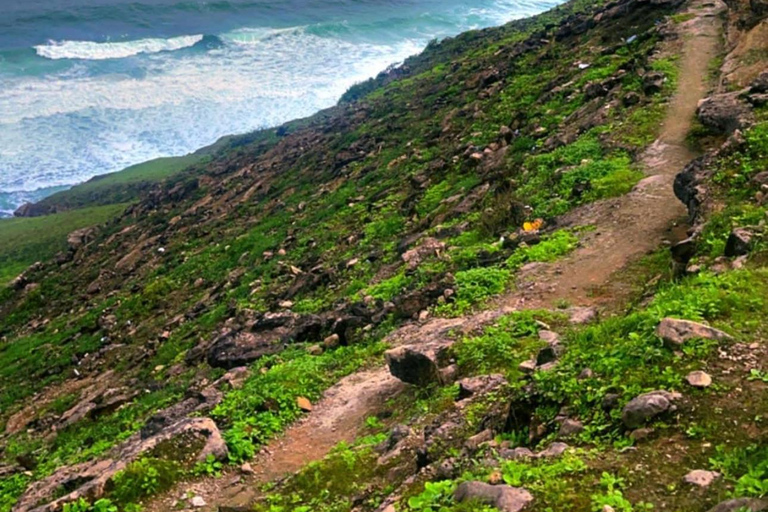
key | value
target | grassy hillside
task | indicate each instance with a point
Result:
(232, 293)
(28, 240)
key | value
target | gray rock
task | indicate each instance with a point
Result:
(581, 315)
(647, 406)
(553, 450)
(750, 504)
(676, 331)
(725, 113)
(570, 427)
(411, 366)
(504, 497)
(516, 453)
(472, 386)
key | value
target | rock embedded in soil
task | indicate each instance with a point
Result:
(676, 331)
(570, 427)
(504, 497)
(553, 450)
(648, 406)
(412, 366)
(725, 113)
(197, 502)
(739, 242)
(741, 505)
(699, 379)
(701, 477)
(304, 404)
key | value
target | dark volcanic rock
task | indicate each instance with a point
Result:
(739, 242)
(412, 366)
(645, 407)
(725, 113)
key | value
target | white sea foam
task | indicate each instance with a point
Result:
(90, 50)
(65, 131)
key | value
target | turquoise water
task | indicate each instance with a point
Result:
(92, 86)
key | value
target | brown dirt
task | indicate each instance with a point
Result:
(625, 229)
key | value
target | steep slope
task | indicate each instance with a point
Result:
(242, 289)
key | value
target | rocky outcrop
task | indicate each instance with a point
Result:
(89, 480)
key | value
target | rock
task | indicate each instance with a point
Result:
(411, 366)
(449, 374)
(553, 450)
(760, 84)
(428, 248)
(314, 350)
(586, 373)
(741, 504)
(474, 442)
(739, 242)
(472, 386)
(724, 113)
(631, 98)
(610, 400)
(570, 427)
(647, 406)
(197, 502)
(699, 379)
(653, 82)
(331, 341)
(549, 337)
(701, 477)
(641, 433)
(528, 366)
(90, 479)
(546, 355)
(397, 434)
(676, 331)
(581, 315)
(304, 404)
(504, 497)
(246, 468)
(516, 453)
(608, 508)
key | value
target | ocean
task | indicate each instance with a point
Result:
(89, 87)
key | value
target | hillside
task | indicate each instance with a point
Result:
(544, 233)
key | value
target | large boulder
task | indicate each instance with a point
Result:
(645, 407)
(676, 331)
(725, 113)
(412, 366)
(504, 497)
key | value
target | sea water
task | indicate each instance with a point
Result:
(89, 87)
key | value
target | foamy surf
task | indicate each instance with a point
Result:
(90, 50)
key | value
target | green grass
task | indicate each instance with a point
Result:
(27, 240)
(122, 186)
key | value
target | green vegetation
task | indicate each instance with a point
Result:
(27, 240)
(119, 187)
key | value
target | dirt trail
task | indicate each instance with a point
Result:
(625, 229)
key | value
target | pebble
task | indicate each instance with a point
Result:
(699, 379)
